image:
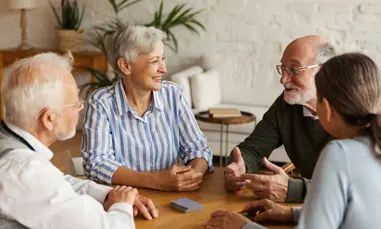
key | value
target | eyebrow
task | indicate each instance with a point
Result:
(156, 57)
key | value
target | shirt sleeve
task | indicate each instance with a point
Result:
(262, 141)
(296, 213)
(88, 187)
(41, 188)
(193, 142)
(98, 155)
(297, 189)
(253, 225)
(325, 203)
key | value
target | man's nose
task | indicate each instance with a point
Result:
(285, 77)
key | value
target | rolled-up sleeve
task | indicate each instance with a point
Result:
(193, 142)
(99, 159)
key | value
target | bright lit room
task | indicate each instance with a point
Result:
(190, 114)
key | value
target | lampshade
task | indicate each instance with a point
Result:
(22, 4)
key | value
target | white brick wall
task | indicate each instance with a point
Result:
(255, 29)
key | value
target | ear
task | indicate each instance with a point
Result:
(330, 112)
(48, 119)
(124, 66)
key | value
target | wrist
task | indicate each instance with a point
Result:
(154, 181)
(199, 165)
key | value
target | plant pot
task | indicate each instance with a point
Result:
(70, 40)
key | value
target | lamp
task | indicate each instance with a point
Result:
(23, 5)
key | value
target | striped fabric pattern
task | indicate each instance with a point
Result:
(115, 135)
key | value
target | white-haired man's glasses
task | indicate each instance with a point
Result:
(80, 104)
(291, 70)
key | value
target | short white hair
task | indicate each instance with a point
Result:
(32, 85)
(129, 41)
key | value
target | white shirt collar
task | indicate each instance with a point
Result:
(307, 113)
(33, 141)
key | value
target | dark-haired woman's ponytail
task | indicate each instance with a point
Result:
(375, 134)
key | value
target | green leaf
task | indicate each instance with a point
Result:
(114, 6)
(124, 4)
(55, 14)
(172, 14)
(71, 15)
(159, 15)
(81, 17)
(173, 38)
(198, 23)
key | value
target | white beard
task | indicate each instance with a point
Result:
(298, 97)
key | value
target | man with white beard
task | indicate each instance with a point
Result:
(291, 121)
(42, 106)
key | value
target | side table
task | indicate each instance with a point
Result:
(246, 117)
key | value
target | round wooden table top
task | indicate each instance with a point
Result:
(245, 118)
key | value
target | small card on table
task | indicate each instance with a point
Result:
(186, 205)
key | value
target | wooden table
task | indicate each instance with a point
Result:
(94, 60)
(212, 195)
(246, 117)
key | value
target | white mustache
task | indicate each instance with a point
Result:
(289, 86)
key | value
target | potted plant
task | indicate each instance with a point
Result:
(179, 16)
(69, 33)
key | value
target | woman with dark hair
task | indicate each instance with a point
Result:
(346, 190)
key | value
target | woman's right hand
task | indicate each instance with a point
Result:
(178, 178)
(120, 194)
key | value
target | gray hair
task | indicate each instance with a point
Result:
(324, 52)
(129, 41)
(32, 85)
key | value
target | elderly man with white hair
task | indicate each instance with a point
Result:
(42, 106)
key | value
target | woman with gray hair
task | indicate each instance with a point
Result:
(136, 131)
(345, 188)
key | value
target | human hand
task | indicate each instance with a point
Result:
(179, 178)
(226, 220)
(233, 172)
(273, 187)
(145, 207)
(120, 194)
(269, 210)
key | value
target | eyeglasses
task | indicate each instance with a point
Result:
(291, 70)
(78, 105)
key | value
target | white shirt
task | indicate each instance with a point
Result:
(35, 193)
(307, 113)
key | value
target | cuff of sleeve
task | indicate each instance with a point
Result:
(253, 225)
(296, 213)
(107, 170)
(295, 193)
(121, 207)
(207, 155)
(99, 192)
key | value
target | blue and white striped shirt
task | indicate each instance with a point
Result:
(115, 135)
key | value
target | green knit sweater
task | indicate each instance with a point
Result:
(302, 137)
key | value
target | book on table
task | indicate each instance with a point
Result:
(224, 112)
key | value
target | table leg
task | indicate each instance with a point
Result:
(1, 79)
(226, 144)
(221, 140)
